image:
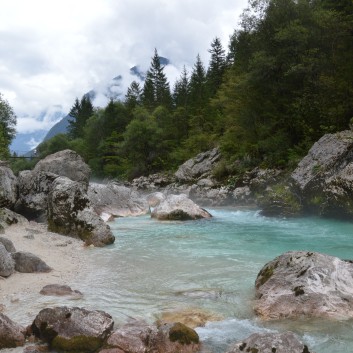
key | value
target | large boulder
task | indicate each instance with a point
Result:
(300, 283)
(7, 264)
(326, 172)
(8, 187)
(11, 334)
(117, 200)
(34, 188)
(179, 207)
(200, 167)
(26, 262)
(72, 329)
(138, 337)
(285, 342)
(65, 163)
(70, 213)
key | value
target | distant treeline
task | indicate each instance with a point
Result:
(285, 80)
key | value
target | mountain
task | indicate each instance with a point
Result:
(57, 121)
(26, 141)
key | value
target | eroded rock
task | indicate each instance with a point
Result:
(70, 213)
(7, 264)
(301, 283)
(60, 290)
(73, 329)
(179, 207)
(8, 187)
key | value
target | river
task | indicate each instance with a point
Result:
(211, 265)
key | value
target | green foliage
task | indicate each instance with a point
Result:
(7, 127)
(80, 112)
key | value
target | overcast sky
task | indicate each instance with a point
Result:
(52, 51)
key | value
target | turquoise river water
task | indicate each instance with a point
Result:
(207, 265)
(211, 265)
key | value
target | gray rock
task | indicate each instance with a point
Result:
(65, 163)
(60, 290)
(138, 337)
(11, 334)
(179, 207)
(285, 342)
(300, 283)
(72, 329)
(8, 187)
(34, 188)
(316, 173)
(70, 213)
(117, 200)
(8, 244)
(199, 167)
(8, 218)
(155, 198)
(7, 264)
(26, 262)
(152, 182)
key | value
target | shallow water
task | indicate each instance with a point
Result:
(208, 265)
(211, 265)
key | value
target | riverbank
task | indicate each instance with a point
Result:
(19, 293)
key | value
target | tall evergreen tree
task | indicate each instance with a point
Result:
(81, 111)
(216, 67)
(156, 90)
(181, 90)
(133, 96)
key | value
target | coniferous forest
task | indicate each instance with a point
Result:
(285, 79)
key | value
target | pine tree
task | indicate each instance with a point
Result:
(81, 111)
(182, 90)
(156, 89)
(133, 96)
(216, 67)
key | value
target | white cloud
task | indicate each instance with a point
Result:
(54, 51)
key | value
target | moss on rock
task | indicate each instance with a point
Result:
(183, 334)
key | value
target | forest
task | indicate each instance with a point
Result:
(285, 79)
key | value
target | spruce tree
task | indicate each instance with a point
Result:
(216, 67)
(156, 89)
(81, 111)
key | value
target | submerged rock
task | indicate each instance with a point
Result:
(285, 342)
(73, 329)
(191, 317)
(179, 207)
(300, 283)
(11, 334)
(60, 290)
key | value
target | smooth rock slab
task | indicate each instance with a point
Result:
(73, 329)
(305, 284)
(180, 208)
(8, 244)
(270, 343)
(11, 334)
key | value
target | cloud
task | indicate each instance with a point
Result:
(54, 51)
